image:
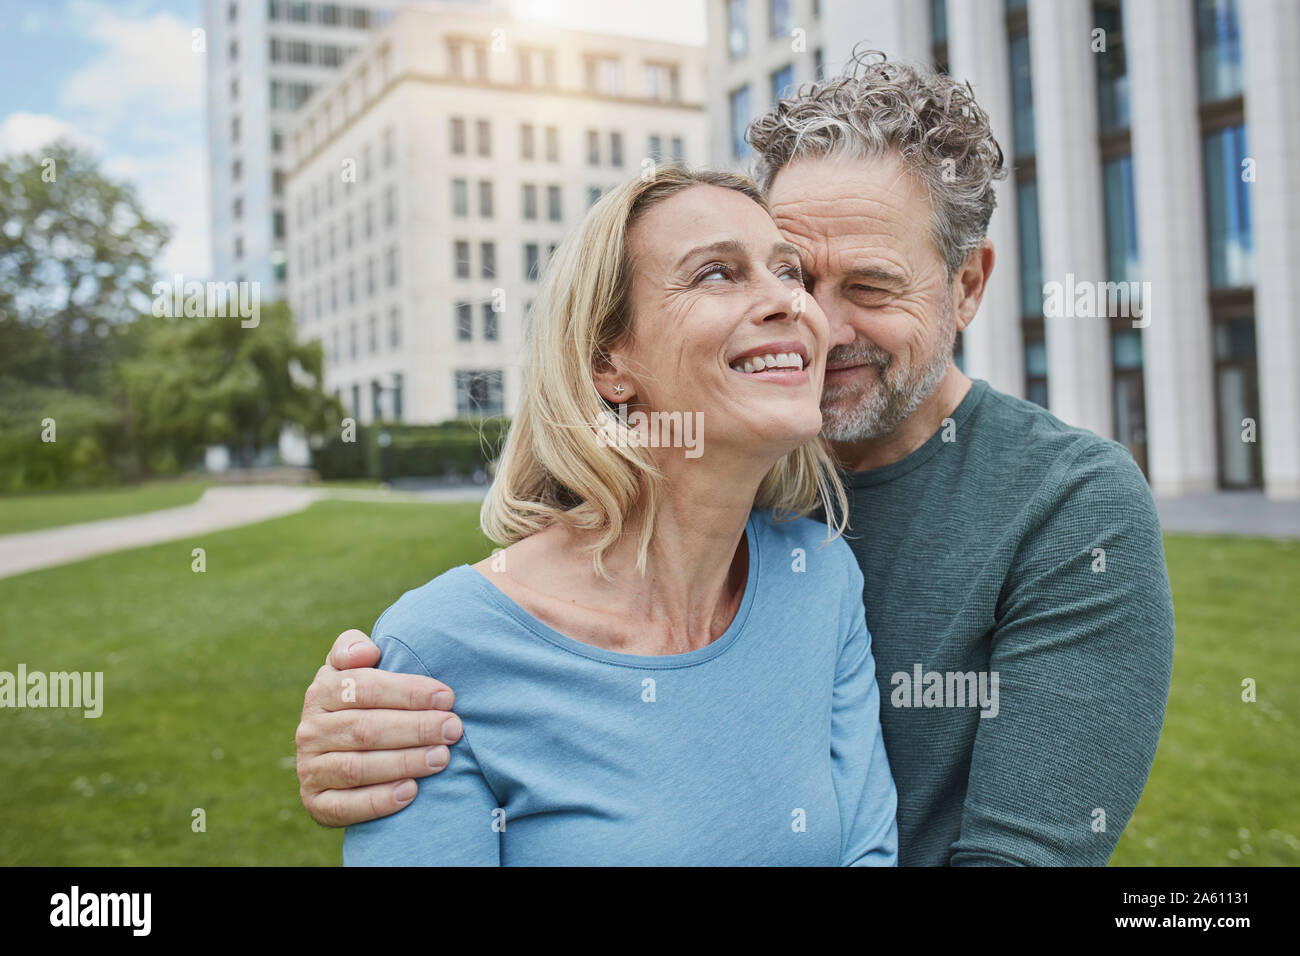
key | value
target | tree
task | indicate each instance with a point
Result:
(201, 381)
(76, 262)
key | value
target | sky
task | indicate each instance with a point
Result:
(121, 77)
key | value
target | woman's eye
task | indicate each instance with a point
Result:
(714, 270)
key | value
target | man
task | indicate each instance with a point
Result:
(1015, 583)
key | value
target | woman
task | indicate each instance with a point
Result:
(668, 664)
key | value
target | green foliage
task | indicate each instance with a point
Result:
(89, 447)
(451, 449)
(76, 261)
(202, 381)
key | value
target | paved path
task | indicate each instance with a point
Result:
(1232, 513)
(218, 508)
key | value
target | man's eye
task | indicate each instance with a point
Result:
(788, 271)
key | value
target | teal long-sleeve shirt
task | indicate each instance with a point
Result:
(762, 748)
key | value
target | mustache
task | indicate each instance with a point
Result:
(860, 353)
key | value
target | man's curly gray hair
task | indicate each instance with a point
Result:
(877, 106)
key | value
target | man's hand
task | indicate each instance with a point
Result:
(365, 734)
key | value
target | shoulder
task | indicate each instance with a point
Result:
(432, 622)
(1068, 463)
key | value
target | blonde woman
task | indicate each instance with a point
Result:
(668, 663)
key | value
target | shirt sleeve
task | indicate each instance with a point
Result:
(454, 819)
(864, 785)
(1083, 652)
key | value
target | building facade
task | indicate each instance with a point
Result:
(1155, 153)
(431, 180)
(264, 59)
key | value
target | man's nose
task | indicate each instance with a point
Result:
(841, 332)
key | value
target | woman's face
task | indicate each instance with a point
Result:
(721, 323)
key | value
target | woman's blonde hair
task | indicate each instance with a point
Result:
(557, 463)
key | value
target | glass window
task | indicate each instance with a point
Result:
(1121, 220)
(779, 17)
(1126, 349)
(489, 323)
(1031, 263)
(487, 252)
(462, 259)
(459, 197)
(1112, 71)
(782, 82)
(484, 137)
(593, 148)
(737, 27)
(479, 393)
(464, 322)
(552, 144)
(395, 340)
(1232, 260)
(554, 210)
(616, 149)
(457, 136)
(530, 201)
(739, 122)
(938, 22)
(1022, 97)
(526, 141)
(655, 147)
(485, 199)
(531, 261)
(679, 151)
(1218, 48)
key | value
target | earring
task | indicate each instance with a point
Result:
(618, 389)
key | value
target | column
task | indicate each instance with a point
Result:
(899, 28)
(977, 53)
(1168, 179)
(1070, 207)
(1270, 38)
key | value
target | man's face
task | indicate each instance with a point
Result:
(863, 232)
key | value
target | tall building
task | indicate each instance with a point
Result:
(1154, 142)
(431, 180)
(264, 59)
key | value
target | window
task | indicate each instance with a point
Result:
(554, 212)
(334, 294)
(464, 322)
(234, 129)
(531, 263)
(232, 11)
(234, 87)
(461, 257)
(352, 341)
(782, 82)
(530, 201)
(1218, 50)
(459, 198)
(277, 182)
(485, 198)
(484, 137)
(616, 149)
(593, 196)
(348, 230)
(1022, 97)
(455, 61)
(370, 217)
(331, 55)
(457, 136)
(390, 148)
(487, 252)
(1112, 71)
(662, 83)
(237, 208)
(239, 247)
(1031, 263)
(737, 28)
(679, 151)
(333, 241)
(391, 266)
(1228, 225)
(739, 122)
(299, 12)
(526, 141)
(372, 337)
(552, 144)
(234, 50)
(352, 286)
(1036, 370)
(277, 224)
(394, 341)
(329, 14)
(603, 75)
(479, 393)
(277, 141)
(819, 64)
(236, 168)
(397, 388)
(390, 206)
(489, 323)
(779, 17)
(1121, 220)
(655, 147)
(371, 268)
(593, 148)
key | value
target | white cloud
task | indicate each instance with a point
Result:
(23, 132)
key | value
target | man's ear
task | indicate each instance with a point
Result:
(972, 279)
(609, 374)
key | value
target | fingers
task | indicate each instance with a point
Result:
(325, 731)
(367, 688)
(350, 770)
(341, 808)
(353, 649)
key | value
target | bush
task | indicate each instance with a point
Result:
(90, 447)
(454, 449)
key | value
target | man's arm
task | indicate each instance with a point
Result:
(366, 734)
(1083, 651)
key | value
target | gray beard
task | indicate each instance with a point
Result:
(887, 404)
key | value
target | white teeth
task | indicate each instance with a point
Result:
(772, 360)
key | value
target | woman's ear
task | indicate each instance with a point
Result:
(609, 373)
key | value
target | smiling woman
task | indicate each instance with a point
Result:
(620, 663)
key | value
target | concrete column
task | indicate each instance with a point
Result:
(1270, 38)
(1160, 36)
(899, 28)
(977, 53)
(1070, 207)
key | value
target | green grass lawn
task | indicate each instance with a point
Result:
(204, 675)
(34, 512)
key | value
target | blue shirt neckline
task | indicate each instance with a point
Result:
(639, 661)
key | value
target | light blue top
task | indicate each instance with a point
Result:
(763, 748)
